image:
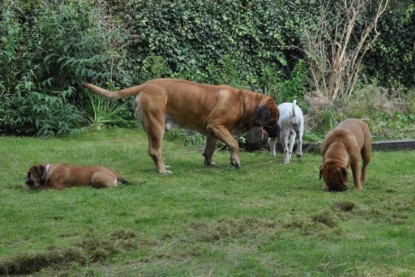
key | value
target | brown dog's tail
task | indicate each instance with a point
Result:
(114, 94)
(123, 181)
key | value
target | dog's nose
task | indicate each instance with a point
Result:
(29, 182)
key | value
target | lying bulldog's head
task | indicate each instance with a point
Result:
(334, 176)
(36, 176)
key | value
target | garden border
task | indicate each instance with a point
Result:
(386, 145)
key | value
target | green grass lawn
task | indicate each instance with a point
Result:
(265, 219)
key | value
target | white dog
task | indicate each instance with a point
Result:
(291, 123)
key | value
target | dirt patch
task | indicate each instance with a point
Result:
(34, 262)
(326, 218)
(343, 206)
(323, 225)
(90, 249)
(230, 229)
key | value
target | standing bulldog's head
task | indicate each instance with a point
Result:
(36, 176)
(267, 116)
(334, 176)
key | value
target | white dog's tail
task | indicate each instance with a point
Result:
(294, 103)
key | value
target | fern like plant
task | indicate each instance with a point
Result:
(101, 112)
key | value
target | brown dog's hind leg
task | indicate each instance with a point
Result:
(154, 150)
(209, 150)
(356, 176)
(155, 140)
(366, 155)
(103, 180)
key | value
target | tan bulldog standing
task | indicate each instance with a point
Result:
(342, 147)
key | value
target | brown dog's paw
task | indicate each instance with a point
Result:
(235, 163)
(165, 172)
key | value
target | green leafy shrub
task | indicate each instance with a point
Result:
(205, 40)
(37, 113)
(46, 51)
(291, 88)
(47, 48)
(391, 60)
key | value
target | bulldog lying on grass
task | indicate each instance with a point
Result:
(59, 176)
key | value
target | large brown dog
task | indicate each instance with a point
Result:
(342, 147)
(59, 176)
(214, 111)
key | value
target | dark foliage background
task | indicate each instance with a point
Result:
(48, 48)
(392, 59)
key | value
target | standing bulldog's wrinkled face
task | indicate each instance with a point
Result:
(267, 115)
(34, 176)
(334, 176)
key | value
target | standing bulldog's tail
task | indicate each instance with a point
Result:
(114, 94)
(294, 103)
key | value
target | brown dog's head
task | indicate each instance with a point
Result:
(36, 176)
(267, 116)
(334, 176)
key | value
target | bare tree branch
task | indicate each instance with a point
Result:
(334, 61)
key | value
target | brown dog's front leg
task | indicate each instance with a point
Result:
(209, 150)
(223, 134)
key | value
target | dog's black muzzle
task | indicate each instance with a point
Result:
(273, 130)
(338, 188)
(29, 182)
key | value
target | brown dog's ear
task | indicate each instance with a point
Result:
(262, 116)
(343, 172)
(321, 172)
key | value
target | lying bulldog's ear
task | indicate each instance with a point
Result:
(39, 170)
